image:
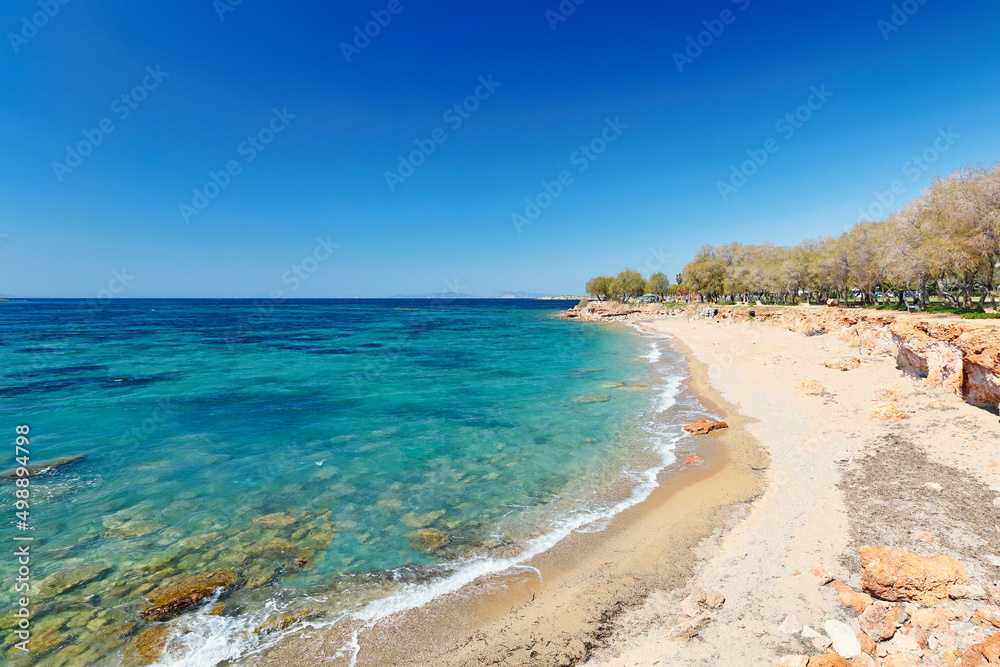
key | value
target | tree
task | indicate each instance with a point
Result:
(658, 284)
(599, 287)
(627, 285)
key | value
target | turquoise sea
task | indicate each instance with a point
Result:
(328, 458)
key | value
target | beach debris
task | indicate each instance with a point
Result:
(845, 364)
(888, 412)
(592, 399)
(894, 574)
(933, 486)
(429, 539)
(823, 575)
(923, 536)
(791, 625)
(169, 600)
(810, 388)
(845, 642)
(692, 460)
(48, 467)
(704, 427)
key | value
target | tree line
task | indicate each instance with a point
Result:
(945, 241)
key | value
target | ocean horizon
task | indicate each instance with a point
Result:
(318, 460)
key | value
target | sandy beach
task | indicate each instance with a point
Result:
(802, 477)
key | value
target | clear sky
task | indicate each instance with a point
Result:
(310, 117)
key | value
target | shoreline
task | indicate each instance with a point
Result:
(563, 603)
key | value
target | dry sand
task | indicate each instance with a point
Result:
(834, 479)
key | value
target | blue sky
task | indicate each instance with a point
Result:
(272, 82)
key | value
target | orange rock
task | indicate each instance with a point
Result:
(877, 622)
(923, 536)
(901, 660)
(828, 660)
(887, 412)
(918, 635)
(929, 618)
(986, 654)
(170, 600)
(894, 574)
(851, 598)
(989, 614)
(692, 460)
(823, 575)
(867, 643)
(704, 427)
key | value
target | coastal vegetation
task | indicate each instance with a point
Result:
(939, 251)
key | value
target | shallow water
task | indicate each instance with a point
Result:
(327, 453)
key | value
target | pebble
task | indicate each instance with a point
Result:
(934, 486)
(809, 633)
(822, 643)
(791, 625)
(845, 641)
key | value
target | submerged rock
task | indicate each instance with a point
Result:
(430, 539)
(49, 466)
(63, 581)
(591, 399)
(148, 646)
(170, 600)
(414, 520)
(279, 519)
(132, 529)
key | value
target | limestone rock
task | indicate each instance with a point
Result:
(887, 412)
(823, 576)
(867, 644)
(791, 625)
(810, 388)
(985, 654)
(704, 427)
(822, 643)
(714, 599)
(809, 633)
(902, 660)
(876, 622)
(148, 646)
(863, 660)
(967, 593)
(894, 574)
(989, 614)
(828, 660)
(845, 642)
(793, 660)
(170, 600)
(933, 486)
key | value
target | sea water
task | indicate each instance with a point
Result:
(337, 458)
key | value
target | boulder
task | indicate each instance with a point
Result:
(989, 614)
(170, 600)
(967, 593)
(894, 574)
(429, 539)
(985, 654)
(148, 645)
(704, 427)
(876, 621)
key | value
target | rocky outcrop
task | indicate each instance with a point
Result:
(894, 575)
(986, 654)
(704, 427)
(962, 356)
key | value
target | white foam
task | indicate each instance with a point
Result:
(212, 639)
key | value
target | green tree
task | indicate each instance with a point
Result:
(627, 285)
(599, 287)
(658, 284)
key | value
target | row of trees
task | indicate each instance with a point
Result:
(946, 241)
(628, 285)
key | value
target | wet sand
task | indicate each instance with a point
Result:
(567, 601)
